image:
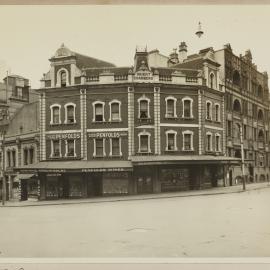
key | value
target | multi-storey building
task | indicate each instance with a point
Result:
(156, 126)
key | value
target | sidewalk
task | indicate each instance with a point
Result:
(205, 192)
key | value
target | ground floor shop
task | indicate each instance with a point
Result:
(141, 175)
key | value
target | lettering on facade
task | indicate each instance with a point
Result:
(53, 170)
(105, 169)
(143, 75)
(64, 136)
(107, 134)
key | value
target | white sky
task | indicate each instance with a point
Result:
(30, 35)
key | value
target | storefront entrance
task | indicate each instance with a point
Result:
(24, 190)
(144, 184)
(94, 185)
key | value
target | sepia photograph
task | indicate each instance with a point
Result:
(134, 132)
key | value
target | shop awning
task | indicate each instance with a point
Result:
(189, 159)
(24, 176)
(78, 166)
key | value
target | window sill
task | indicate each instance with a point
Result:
(74, 123)
(115, 156)
(144, 153)
(191, 150)
(187, 118)
(173, 150)
(171, 117)
(115, 121)
(99, 156)
(55, 124)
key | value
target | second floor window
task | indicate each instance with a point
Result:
(8, 159)
(217, 142)
(13, 158)
(217, 112)
(25, 156)
(115, 147)
(31, 155)
(70, 114)
(115, 111)
(171, 141)
(187, 108)
(209, 142)
(208, 110)
(99, 112)
(144, 109)
(55, 111)
(170, 107)
(187, 141)
(144, 146)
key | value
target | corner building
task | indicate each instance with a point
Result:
(148, 128)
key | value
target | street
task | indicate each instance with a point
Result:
(227, 225)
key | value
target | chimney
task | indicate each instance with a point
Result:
(182, 52)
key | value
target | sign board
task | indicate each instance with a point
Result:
(64, 136)
(106, 169)
(107, 134)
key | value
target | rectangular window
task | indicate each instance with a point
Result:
(208, 111)
(70, 148)
(187, 108)
(14, 158)
(25, 156)
(115, 146)
(70, 114)
(115, 112)
(255, 134)
(217, 143)
(229, 123)
(187, 142)
(56, 114)
(217, 113)
(31, 155)
(98, 112)
(19, 92)
(99, 147)
(8, 159)
(144, 109)
(56, 148)
(144, 143)
(171, 141)
(170, 108)
(208, 142)
(245, 132)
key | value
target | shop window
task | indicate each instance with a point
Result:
(171, 140)
(70, 148)
(187, 107)
(99, 148)
(208, 110)
(208, 141)
(70, 113)
(31, 155)
(170, 107)
(187, 140)
(25, 156)
(55, 148)
(217, 112)
(144, 142)
(98, 111)
(217, 141)
(144, 108)
(115, 111)
(115, 147)
(55, 114)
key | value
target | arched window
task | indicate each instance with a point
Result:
(171, 140)
(237, 106)
(260, 115)
(170, 107)
(70, 113)
(212, 80)
(217, 112)
(208, 110)
(63, 78)
(261, 136)
(187, 104)
(55, 114)
(209, 141)
(115, 110)
(98, 111)
(236, 78)
(144, 110)
(144, 142)
(260, 91)
(187, 140)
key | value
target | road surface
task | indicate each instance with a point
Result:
(229, 225)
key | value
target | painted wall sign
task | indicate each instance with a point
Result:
(64, 136)
(107, 134)
(106, 169)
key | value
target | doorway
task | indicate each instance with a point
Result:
(144, 184)
(230, 178)
(24, 191)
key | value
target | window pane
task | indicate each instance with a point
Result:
(31, 155)
(217, 143)
(187, 108)
(25, 156)
(144, 143)
(170, 108)
(56, 113)
(115, 146)
(56, 148)
(70, 147)
(63, 78)
(171, 140)
(14, 158)
(70, 114)
(208, 142)
(143, 109)
(115, 111)
(208, 110)
(187, 141)
(99, 147)
(99, 112)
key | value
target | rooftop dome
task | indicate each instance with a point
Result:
(63, 51)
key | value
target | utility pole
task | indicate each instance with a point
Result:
(242, 157)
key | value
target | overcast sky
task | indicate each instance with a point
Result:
(30, 35)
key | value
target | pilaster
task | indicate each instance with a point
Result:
(157, 119)
(200, 121)
(130, 121)
(42, 104)
(83, 124)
